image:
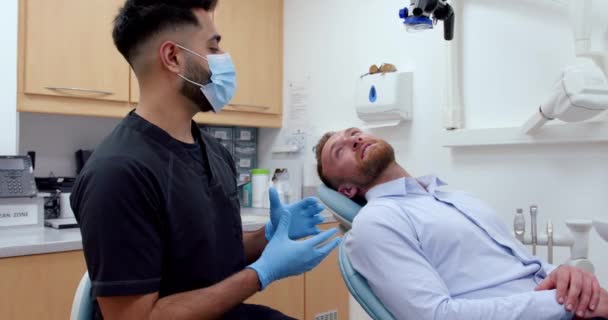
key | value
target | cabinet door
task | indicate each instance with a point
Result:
(40, 286)
(252, 32)
(69, 50)
(325, 291)
(286, 296)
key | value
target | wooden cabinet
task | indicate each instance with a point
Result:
(43, 287)
(318, 292)
(325, 291)
(252, 32)
(286, 295)
(70, 50)
(67, 59)
(253, 35)
(40, 286)
(68, 63)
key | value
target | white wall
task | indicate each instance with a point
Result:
(513, 52)
(56, 138)
(8, 78)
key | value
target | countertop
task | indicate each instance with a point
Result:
(24, 241)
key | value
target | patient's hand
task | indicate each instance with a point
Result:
(602, 308)
(577, 289)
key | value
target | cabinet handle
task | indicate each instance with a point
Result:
(248, 106)
(105, 93)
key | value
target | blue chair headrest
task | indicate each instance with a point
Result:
(345, 208)
(82, 305)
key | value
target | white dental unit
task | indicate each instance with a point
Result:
(577, 240)
(581, 93)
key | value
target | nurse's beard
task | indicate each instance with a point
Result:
(196, 73)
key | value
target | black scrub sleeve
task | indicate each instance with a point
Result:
(117, 204)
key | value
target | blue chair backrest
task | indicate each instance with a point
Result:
(360, 290)
(345, 211)
(82, 306)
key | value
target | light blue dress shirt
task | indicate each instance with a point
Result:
(445, 255)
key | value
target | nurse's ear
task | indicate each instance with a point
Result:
(348, 190)
(172, 57)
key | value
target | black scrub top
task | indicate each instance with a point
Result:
(155, 218)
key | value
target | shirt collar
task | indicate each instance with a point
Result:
(138, 123)
(135, 121)
(431, 183)
(403, 186)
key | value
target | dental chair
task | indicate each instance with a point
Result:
(345, 210)
(82, 306)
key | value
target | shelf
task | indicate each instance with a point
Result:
(585, 132)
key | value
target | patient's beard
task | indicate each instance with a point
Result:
(377, 160)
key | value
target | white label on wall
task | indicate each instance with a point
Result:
(245, 150)
(245, 135)
(245, 163)
(221, 135)
(18, 215)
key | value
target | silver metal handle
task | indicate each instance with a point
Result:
(549, 241)
(248, 106)
(105, 93)
(519, 225)
(534, 230)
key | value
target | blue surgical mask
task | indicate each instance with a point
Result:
(223, 79)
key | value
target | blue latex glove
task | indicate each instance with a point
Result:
(306, 215)
(284, 257)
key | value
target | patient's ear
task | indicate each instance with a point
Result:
(348, 190)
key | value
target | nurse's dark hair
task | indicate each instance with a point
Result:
(139, 20)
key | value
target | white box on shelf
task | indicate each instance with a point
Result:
(385, 99)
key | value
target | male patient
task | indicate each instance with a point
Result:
(431, 254)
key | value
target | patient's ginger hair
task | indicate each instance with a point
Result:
(318, 151)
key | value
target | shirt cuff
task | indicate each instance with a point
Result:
(124, 288)
(549, 305)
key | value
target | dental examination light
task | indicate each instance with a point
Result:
(601, 226)
(422, 15)
(581, 92)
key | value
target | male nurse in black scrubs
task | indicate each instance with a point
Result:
(157, 202)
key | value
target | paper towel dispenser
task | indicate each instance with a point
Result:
(384, 99)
